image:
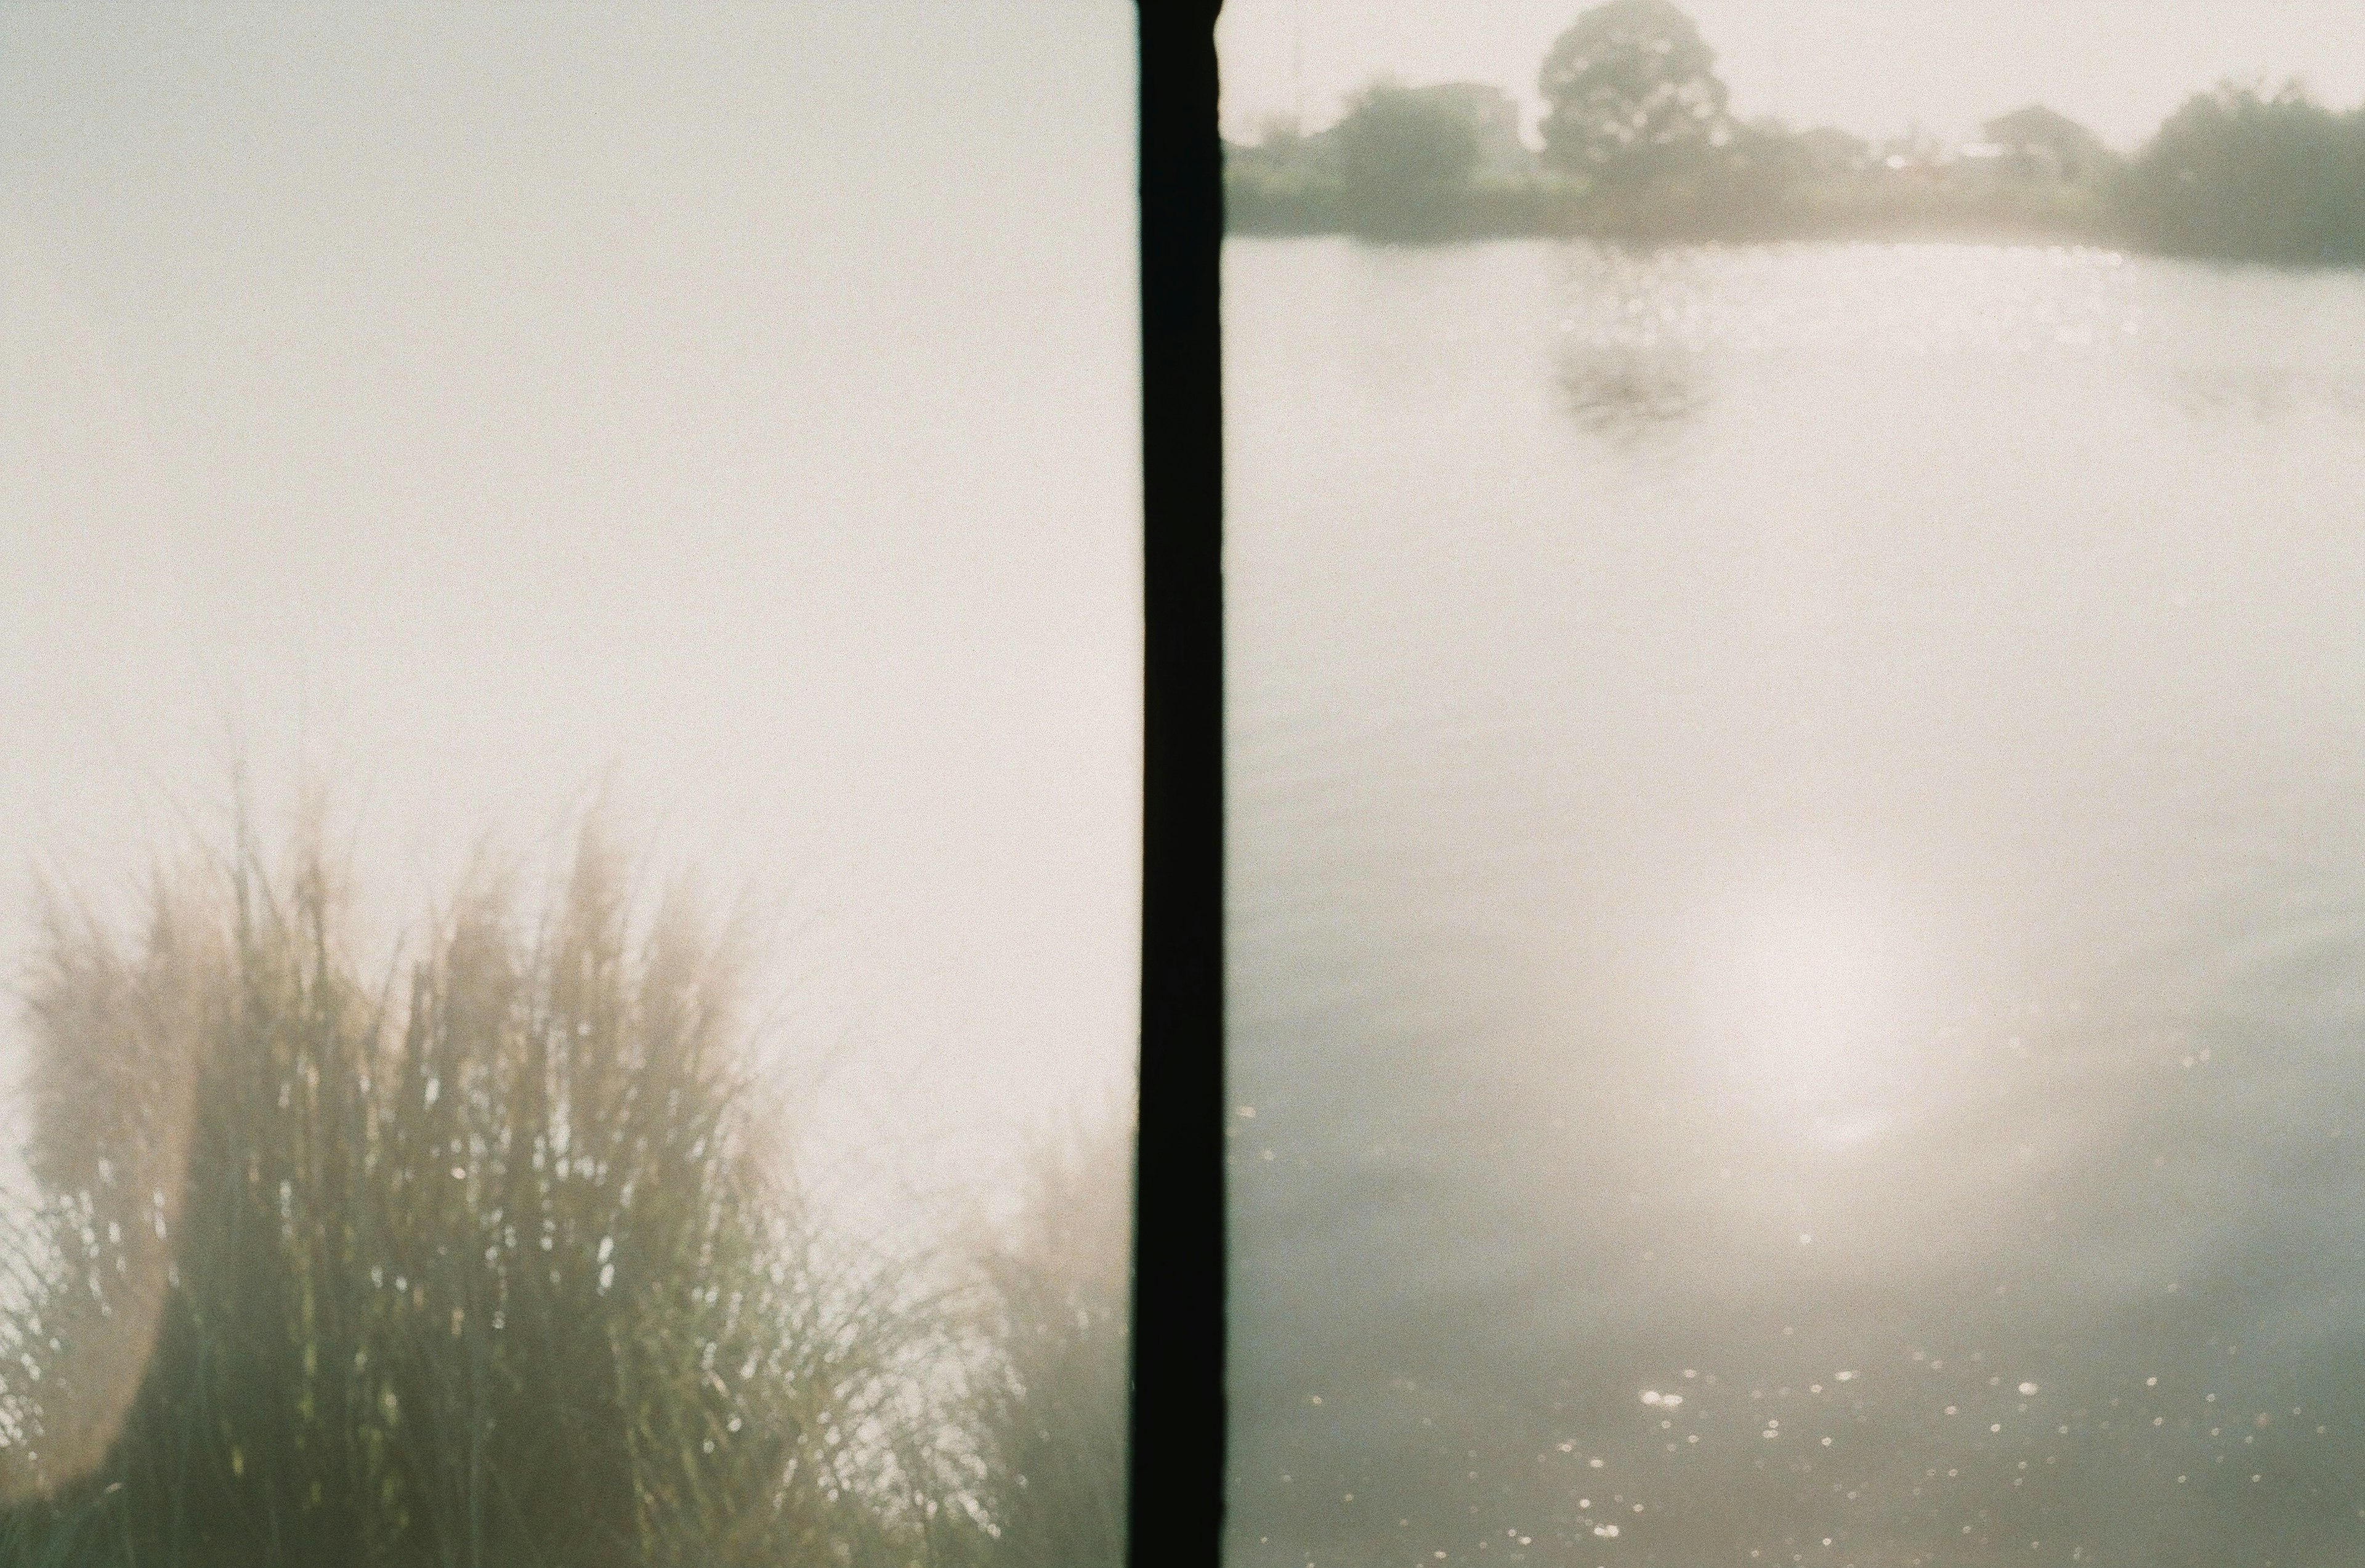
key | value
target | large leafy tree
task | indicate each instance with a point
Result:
(1632, 94)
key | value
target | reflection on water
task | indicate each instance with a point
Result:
(1624, 388)
(1629, 357)
(1796, 985)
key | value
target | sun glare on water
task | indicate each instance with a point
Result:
(1805, 987)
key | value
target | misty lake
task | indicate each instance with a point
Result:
(1797, 885)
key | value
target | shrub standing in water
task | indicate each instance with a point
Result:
(484, 1266)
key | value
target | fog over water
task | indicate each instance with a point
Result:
(1799, 906)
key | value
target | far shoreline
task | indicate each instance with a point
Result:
(1855, 213)
(1935, 230)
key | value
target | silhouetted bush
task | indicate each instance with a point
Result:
(1055, 1403)
(485, 1263)
(1406, 165)
(2240, 175)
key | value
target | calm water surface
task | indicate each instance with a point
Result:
(1798, 907)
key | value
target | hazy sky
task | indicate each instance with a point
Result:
(2118, 65)
(474, 402)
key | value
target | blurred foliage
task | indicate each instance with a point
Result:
(1638, 144)
(1632, 95)
(1405, 163)
(2244, 174)
(489, 1260)
(1057, 1405)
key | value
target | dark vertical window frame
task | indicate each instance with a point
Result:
(1177, 1424)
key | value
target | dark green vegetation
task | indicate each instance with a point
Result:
(489, 1260)
(1634, 96)
(1639, 142)
(2240, 175)
(1406, 161)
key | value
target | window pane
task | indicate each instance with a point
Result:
(1796, 923)
(591, 448)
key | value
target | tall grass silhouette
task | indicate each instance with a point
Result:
(1053, 1408)
(485, 1260)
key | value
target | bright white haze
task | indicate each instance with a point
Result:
(730, 407)
(2121, 67)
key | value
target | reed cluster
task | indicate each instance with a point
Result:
(491, 1259)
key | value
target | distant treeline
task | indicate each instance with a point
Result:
(1638, 142)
